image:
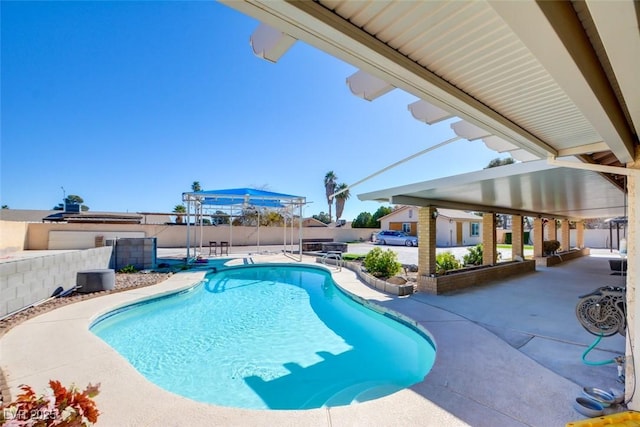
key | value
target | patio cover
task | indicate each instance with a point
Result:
(527, 189)
(239, 197)
(242, 197)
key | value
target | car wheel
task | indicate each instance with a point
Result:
(408, 243)
(381, 242)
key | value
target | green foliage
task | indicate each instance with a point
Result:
(382, 211)
(362, 220)
(500, 162)
(381, 263)
(446, 261)
(353, 257)
(322, 217)
(330, 184)
(251, 215)
(220, 218)
(367, 220)
(129, 268)
(72, 199)
(179, 209)
(196, 186)
(474, 257)
(341, 199)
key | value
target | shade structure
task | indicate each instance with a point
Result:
(242, 198)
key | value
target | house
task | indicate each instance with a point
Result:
(453, 227)
(312, 222)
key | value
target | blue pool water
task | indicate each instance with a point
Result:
(268, 337)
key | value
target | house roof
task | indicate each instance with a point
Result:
(446, 213)
(312, 222)
(456, 214)
(538, 79)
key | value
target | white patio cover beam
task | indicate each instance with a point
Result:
(320, 27)
(498, 144)
(584, 149)
(617, 21)
(554, 34)
(270, 43)
(523, 155)
(366, 86)
(469, 131)
(428, 113)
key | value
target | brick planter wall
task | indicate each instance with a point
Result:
(552, 260)
(467, 279)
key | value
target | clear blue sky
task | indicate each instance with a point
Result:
(127, 103)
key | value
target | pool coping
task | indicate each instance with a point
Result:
(500, 393)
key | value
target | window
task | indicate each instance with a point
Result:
(410, 213)
(406, 227)
(475, 228)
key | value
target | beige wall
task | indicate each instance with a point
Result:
(172, 236)
(13, 236)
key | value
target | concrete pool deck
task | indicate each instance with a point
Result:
(507, 354)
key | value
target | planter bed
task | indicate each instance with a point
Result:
(548, 261)
(467, 278)
(382, 285)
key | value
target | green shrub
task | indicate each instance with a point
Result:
(446, 261)
(474, 257)
(381, 263)
(129, 268)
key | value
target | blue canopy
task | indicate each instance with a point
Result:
(243, 196)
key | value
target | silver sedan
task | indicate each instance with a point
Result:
(396, 238)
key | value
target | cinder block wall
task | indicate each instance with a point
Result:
(139, 252)
(26, 281)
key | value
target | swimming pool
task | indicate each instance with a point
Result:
(268, 337)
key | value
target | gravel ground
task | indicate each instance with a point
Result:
(123, 283)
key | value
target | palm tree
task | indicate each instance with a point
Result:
(179, 209)
(196, 186)
(329, 188)
(341, 199)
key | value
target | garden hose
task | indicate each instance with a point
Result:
(591, 347)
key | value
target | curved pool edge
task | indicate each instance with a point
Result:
(76, 355)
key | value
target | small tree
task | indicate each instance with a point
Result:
(375, 218)
(500, 162)
(72, 199)
(322, 217)
(220, 218)
(362, 220)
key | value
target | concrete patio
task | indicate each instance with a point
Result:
(508, 354)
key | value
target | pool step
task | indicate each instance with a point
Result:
(361, 392)
(377, 392)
